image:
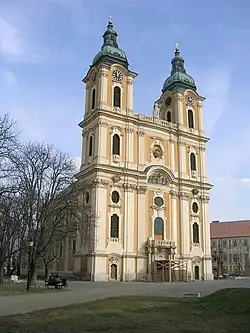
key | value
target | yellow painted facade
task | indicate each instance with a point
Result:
(144, 201)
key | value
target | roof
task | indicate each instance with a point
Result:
(230, 229)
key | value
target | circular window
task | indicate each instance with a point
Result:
(195, 207)
(87, 197)
(115, 197)
(158, 201)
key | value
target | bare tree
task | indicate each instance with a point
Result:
(51, 195)
(218, 257)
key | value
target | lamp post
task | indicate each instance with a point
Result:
(30, 245)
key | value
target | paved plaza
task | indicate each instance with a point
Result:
(82, 292)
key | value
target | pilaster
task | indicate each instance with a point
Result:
(172, 154)
(182, 159)
(84, 147)
(102, 142)
(129, 146)
(141, 135)
(185, 225)
(141, 232)
(179, 108)
(174, 227)
(203, 164)
(87, 96)
(200, 117)
(103, 87)
(130, 94)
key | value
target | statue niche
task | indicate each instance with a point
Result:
(158, 177)
(157, 152)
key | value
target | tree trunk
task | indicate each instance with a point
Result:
(1, 273)
(33, 277)
(18, 269)
(46, 271)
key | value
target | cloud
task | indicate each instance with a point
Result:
(10, 78)
(77, 160)
(11, 42)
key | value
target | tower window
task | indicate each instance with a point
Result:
(114, 228)
(195, 207)
(192, 162)
(159, 227)
(115, 197)
(196, 233)
(169, 116)
(116, 145)
(190, 119)
(91, 145)
(117, 97)
(93, 99)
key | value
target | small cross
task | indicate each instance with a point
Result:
(110, 19)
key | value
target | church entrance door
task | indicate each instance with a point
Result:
(113, 273)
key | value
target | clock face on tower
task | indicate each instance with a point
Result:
(117, 76)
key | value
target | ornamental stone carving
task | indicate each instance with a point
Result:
(196, 260)
(205, 198)
(158, 177)
(114, 258)
(100, 183)
(195, 191)
(157, 152)
(129, 187)
(141, 133)
(141, 189)
(116, 178)
(173, 194)
(102, 123)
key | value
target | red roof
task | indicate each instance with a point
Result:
(230, 229)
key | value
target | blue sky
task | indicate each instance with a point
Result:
(46, 47)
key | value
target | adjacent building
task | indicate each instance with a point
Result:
(230, 247)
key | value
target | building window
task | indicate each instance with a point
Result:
(224, 243)
(115, 197)
(117, 97)
(192, 162)
(116, 145)
(230, 244)
(87, 197)
(114, 230)
(74, 246)
(93, 99)
(195, 233)
(91, 145)
(195, 207)
(235, 243)
(230, 258)
(245, 242)
(158, 201)
(214, 244)
(190, 119)
(169, 116)
(159, 227)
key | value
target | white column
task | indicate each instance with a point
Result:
(203, 164)
(102, 142)
(200, 117)
(87, 99)
(99, 218)
(141, 148)
(141, 209)
(130, 222)
(129, 145)
(172, 155)
(179, 109)
(84, 147)
(130, 97)
(185, 225)
(103, 87)
(174, 226)
(182, 159)
(208, 271)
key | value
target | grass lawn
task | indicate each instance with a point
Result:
(20, 288)
(225, 311)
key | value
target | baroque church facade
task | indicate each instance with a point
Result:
(143, 178)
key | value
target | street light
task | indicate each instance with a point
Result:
(30, 244)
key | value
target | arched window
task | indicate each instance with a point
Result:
(196, 233)
(93, 99)
(117, 97)
(159, 228)
(116, 145)
(190, 119)
(91, 145)
(169, 116)
(114, 227)
(192, 162)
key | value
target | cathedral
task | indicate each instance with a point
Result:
(143, 178)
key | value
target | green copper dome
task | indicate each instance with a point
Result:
(110, 47)
(178, 79)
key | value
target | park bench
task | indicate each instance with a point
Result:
(56, 282)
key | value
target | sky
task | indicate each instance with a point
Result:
(46, 47)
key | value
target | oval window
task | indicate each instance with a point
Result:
(158, 201)
(115, 197)
(195, 207)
